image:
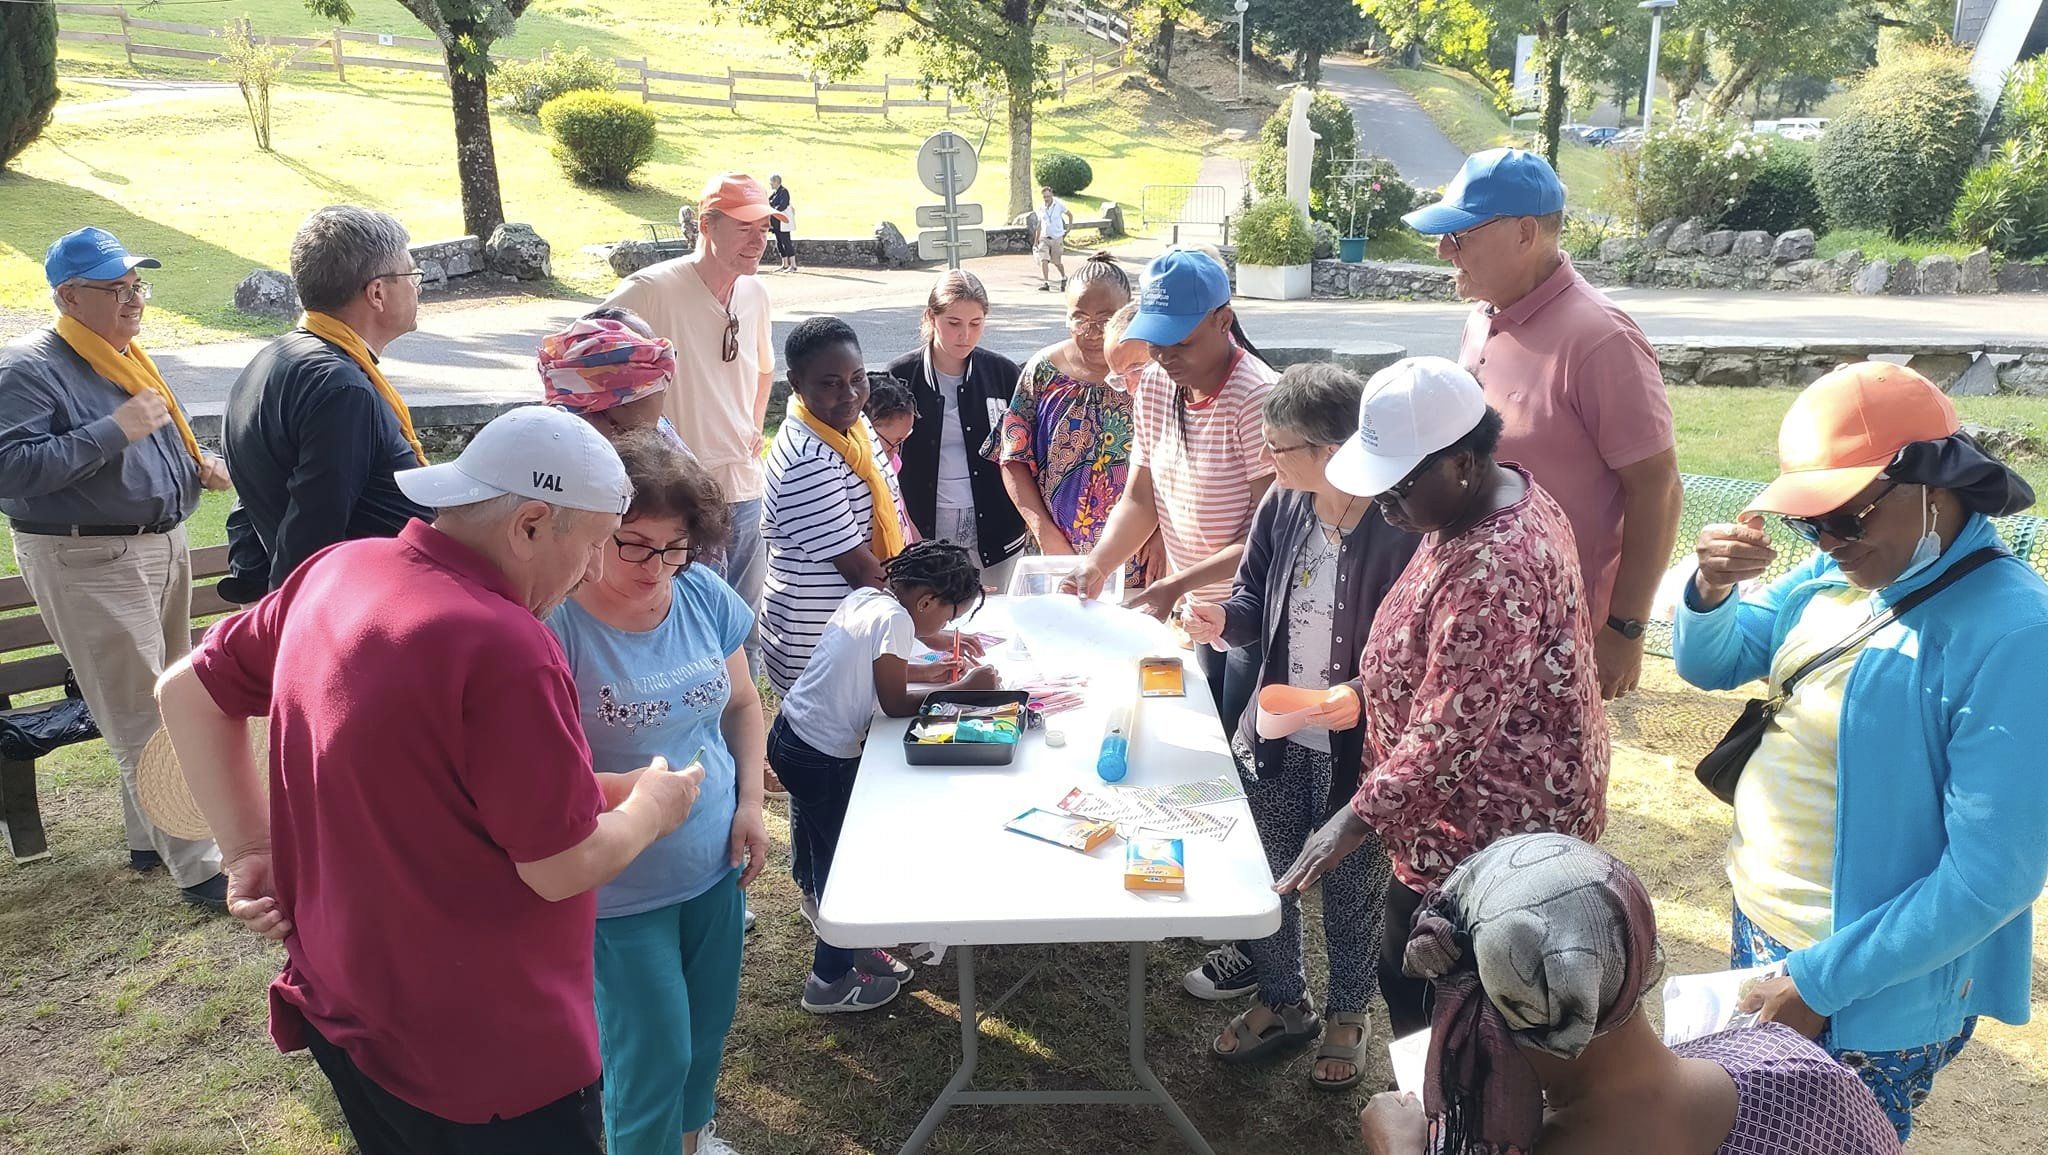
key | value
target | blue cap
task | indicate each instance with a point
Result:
(93, 254)
(1180, 287)
(1500, 182)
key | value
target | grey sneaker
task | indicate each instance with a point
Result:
(1225, 974)
(878, 963)
(853, 993)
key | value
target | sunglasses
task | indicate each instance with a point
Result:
(731, 349)
(1838, 525)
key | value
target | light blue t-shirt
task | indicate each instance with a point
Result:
(663, 691)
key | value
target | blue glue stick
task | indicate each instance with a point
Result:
(1115, 760)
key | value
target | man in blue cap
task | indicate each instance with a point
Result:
(1577, 382)
(98, 472)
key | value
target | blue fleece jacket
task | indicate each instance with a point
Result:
(1941, 813)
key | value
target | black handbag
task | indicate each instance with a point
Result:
(1721, 769)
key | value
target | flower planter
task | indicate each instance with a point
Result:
(1351, 249)
(1274, 282)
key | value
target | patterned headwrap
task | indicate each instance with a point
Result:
(1538, 940)
(597, 364)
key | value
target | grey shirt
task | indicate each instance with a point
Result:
(64, 461)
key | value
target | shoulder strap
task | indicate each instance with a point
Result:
(1954, 574)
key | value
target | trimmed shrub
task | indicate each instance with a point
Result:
(1374, 205)
(528, 84)
(1782, 196)
(1063, 172)
(2004, 202)
(599, 138)
(28, 74)
(1897, 155)
(1274, 232)
(1697, 168)
(1337, 133)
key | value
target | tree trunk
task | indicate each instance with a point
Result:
(1314, 72)
(1553, 86)
(1162, 49)
(476, 161)
(1734, 86)
(1021, 200)
(1695, 66)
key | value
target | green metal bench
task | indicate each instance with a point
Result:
(1715, 499)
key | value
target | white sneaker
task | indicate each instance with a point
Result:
(708, 1142)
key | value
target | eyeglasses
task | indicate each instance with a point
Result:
(125, 294)
(1277, 450)
(892, 445)
(1402, 487)
(731, 350)
(1838, 525)
(417, 275)
(634, 553)
(1458, 239)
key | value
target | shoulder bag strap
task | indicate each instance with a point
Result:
(1954, 574)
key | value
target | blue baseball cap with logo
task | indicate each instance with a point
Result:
(1500, 182)
(1180, 287)
(93, 254)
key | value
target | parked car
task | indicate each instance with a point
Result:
(1802, 127)
(1625, 138)
(1598, 137)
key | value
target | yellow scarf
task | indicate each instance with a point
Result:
(853, 447)
(133, 371)
(336, 332)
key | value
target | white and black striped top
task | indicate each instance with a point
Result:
(816, 509)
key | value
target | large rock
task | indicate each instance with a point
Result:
(1981, 378)
(892, 249)
(1732, 369)
(517, 251)
(1905, 277)
(1944, 369)
(1797, 245)
(629, 257)
(2027, 376)
(1619, 248)
(686, 220)
(1976, 276)
(1719, 243)
(1114, 214)
(268, 293)
(1754, 245)
(1939, 274)
(1660, 234)
(1872, 278)
(2022, 277)
(1803, 276)
(1685, 240)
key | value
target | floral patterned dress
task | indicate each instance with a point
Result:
(1076, 438)
(1482, 696)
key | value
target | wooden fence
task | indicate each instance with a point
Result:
(1094, 21)
(347, 48)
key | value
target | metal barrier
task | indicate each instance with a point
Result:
(1199, 205)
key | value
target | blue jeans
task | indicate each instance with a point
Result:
(1901, 1080)
(745, 567)
(668, 985)
(820, 786)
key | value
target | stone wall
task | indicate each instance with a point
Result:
(1384, 281)
(887, 248)
(1963, 368)
(440, 260)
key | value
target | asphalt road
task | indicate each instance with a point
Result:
(1391, 124)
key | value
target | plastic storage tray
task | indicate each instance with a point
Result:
(965, 753)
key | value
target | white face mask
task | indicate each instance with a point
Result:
(1928, 551)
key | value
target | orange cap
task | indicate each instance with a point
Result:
(1845, 429)
(739, 196)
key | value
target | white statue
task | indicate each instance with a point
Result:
(1301, 149)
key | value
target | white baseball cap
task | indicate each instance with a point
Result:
(534, 451)
(1410, 409)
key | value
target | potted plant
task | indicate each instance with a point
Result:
(1357, 199)
(1274, 250)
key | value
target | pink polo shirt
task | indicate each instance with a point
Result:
(424, 738)
(1583, 397)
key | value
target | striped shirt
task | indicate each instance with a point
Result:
(816, 509)
(1203, 462)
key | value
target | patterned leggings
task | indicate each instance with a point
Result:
(1901, 1080)
(1287, 806)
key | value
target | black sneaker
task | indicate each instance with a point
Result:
(144, 861)
(211, 894)
(1225, 974)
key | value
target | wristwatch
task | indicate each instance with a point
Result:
(1628, 628)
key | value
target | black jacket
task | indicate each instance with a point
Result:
(312, 448)
(998, 527)
(1371, 558)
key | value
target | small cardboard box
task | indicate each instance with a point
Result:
(1155, 864)
(1068, 830)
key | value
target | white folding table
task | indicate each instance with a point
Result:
(924, 858)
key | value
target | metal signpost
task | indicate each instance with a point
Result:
(946, 164)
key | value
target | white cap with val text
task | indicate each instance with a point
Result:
(534, 451)
(1410, 409)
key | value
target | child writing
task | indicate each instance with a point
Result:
(861, 661)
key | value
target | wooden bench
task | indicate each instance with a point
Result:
(20, 816)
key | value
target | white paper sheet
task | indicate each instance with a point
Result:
(1699, 1005)
(1410, 1056)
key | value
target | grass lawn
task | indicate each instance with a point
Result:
(1876, 244)
(1465, 111)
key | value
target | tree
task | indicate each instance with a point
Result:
(1452, 32)
(466, 30)
(255, 67)
(957, 43)
(1309, 28)
(1762, 39)
(1154, 23)
(28, 74)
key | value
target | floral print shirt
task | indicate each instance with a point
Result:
(1482, 697)
(1076, 437)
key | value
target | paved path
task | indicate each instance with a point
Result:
(1391, 124)
(477, 352)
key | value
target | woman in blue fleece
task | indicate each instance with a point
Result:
(1888, 829)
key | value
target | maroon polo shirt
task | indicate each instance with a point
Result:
(423, 739)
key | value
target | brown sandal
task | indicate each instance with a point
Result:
(1295, 1025)
(1342, 1053)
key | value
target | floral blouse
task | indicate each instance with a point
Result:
(1076, 437)
(1482, 699)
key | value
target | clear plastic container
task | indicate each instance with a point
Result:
(1038, 575)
